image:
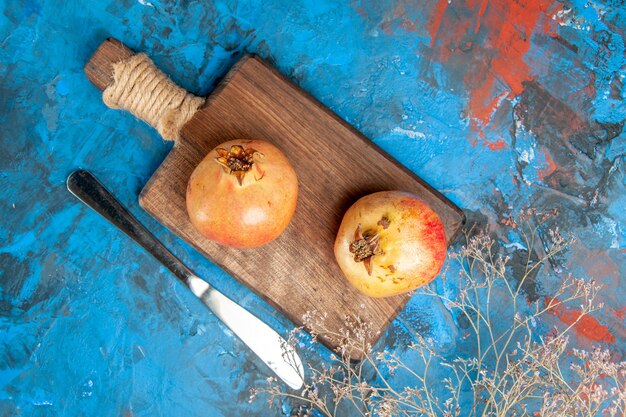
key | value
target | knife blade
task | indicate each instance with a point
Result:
(264, 341)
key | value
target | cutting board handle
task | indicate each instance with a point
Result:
(131, 82)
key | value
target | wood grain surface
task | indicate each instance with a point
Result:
(335, 164)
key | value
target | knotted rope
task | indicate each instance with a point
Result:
(139, 87)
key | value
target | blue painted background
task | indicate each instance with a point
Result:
(496, 104)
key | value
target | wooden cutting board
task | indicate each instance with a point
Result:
(336, 165)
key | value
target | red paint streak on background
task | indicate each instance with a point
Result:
(361, 12)
(621, 313)
(386, 27)
(481, 12)
(586, 326)
(497, 145)
(552, 166)
(495, 65)
(400, 14)
(435, 21)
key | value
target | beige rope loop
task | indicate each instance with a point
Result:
(139, 87)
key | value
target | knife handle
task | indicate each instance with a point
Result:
(90, 191)
(260, 338)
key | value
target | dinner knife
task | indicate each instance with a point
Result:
(266, 343)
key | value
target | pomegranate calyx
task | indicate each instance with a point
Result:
(364, 246)
(237, 160)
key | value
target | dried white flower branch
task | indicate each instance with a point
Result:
(513, 369)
